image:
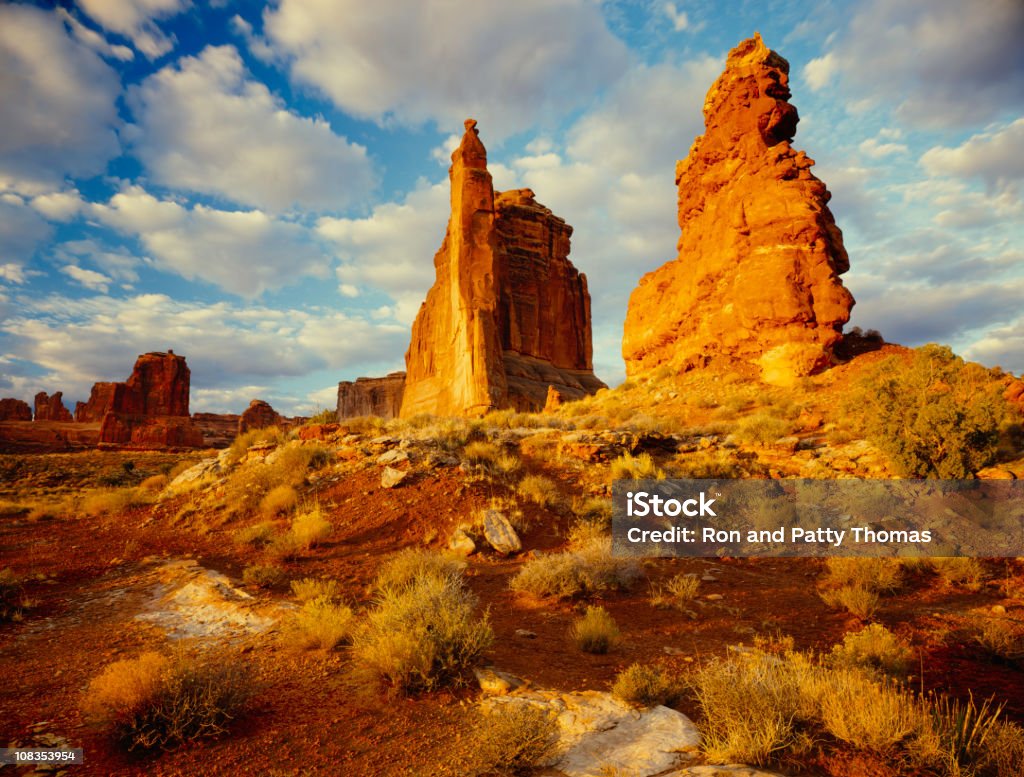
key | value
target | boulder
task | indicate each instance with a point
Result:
(755, 286)
(461, 543)
(49, 408)
(14, 410)
(392, 477)
(500, 534)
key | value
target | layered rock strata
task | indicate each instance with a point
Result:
(49, 408)
(756, 280)
(371, 396)
(259, 415)
(14, 410)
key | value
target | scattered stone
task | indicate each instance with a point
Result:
(526, 634)
(196, 472)
(461, 543)
(500, 534)
(714, 597)
(393, 456)
(998, 609)
(392, 477)
(728, 770)
(497, 683)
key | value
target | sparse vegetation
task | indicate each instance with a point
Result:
(153, 701)
(630, 467)
(762, 428)
(263, 575)
(855, 599)
(280, 499)
(512, 739)
(999, 635)
(407, 566)
(322, 622)
(257, 535)
(875, 648)
(310, 588)
(595, 631)
(585, 570)
(647, 686)
(675, 593)
(539, 490)
(11, 600)
(960, 571)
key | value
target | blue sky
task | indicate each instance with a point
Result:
(262, 187)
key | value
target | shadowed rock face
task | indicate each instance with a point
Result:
(14, 410)
(49, 408)
(371, 396)
(757, 275)
(258, 415)
(508, 314)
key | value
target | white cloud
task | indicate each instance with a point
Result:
(137, 21)
(996, 156)
(243, 252)
(59, 206)
(59, 99)
(118, 265)
(94, 40)
(22, 231)
(875, 149)
(506, 64)
(680, 21)
(205, 126)
(1003, 346)
(91, 279)
(256, 44)
(940, 62)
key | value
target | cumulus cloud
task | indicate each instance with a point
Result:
(507, 64)
(137, 21)
(22, 231)
(94, 40)
(1003, 346)
(76, 342)
(996, 156)
(243, 252)
(205, 126)
(941, 62)
(59, 98)
(91, 279)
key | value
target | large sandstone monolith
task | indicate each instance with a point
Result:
(14, 410)
(508, 314)
(259, 415)
(757, 276)
(150, 409)
(371, 396)
(49, 408)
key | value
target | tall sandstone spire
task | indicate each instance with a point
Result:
(508, 314)
(756, 280)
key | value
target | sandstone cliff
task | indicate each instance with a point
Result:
(49, 408)
(14, 410)
(258, 415)
(508, 315)
(756, 280)
(371, 396)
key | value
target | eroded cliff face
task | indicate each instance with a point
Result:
(371, 396)
(259, 415)
(508, 314)
(756, 280)
(51, 408)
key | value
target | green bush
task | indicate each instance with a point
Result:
(936, 417)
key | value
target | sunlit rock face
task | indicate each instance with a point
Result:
(756, 279)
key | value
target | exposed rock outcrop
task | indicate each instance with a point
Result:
(508, 314)
(14, 410)
(49, 408)
(757, 275)
(371, 396)
(218, 429)
(259, 415)
(150, 409)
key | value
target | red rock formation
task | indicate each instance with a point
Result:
(150, 409)
(757, 276)
(258, 415)
(218, 429)
(14, 410)
(554, 400)
(508, 314)
(51, 408)
(371, 396)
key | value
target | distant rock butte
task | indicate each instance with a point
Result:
(149, 410)
(14, 410)
(757, 275)
(49, 408)
(371, 396)
(259, 415)
(508, 314)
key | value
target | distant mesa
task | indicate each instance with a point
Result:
(756, 281)
(14, 410)
(508, 315)
(49, 408)
(259, 415)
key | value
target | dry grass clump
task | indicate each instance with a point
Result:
(308, 529)
(154, 484)
(491, 458)
(595, 631)
(263, 575)
(288, 465)
(412, 564)
(707, 465)
(1000, 636)
(539, 490)
(271, 435)
(278, 500)
(855, 599)
(310, 588)
(874, 648)
(422, 632)
(257, 535)
(675, 593)
(322, 622)
(585, 570)
(959, 571)
(112, 500)
(647, 686)
(762, 428)
(154, 701)
(630, 467)
(856, 584)
(594, 509)
(512, 739)
(453, 434)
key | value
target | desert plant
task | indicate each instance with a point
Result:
(871, 715)
(584, 570)
(875, 648)
(936, 417)
(595, 631)
(279, 499)
(855, 599)
(263, 575)
(762, 428)
(257, 535)
(873, 574)
(310, 588)
(325, 416)
(959, 571)
(539, 490)
(270, 435)
(646, 686)
(322, 623)
(413, 565)
(154, 484)
(675, 593)
(154, 701)
(1001, 637)
(310, 527)
(11, 602)
(111, 500)
(513, 739)
(594, 510)
(630, 467)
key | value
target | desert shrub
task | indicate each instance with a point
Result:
(325, 416)
(967, 733)
(420, 635)
(412, 565)
(310, 588)
(481, 452)
(595, 631)
(153, 701)
(257, 535)
(630, 467)
(310, 528)
(959, 571)
(936, 417)
(707, 465)
(646, 686)
(585, 570)
(873, 574)
(453, 434)
(762, 428)
(513, 739)
(109, 501)
(868, 714)
(1000, 636)
(675, 593)
(594, 509)
(539, 490)
(1002, 752)
(154, 484)
(263, 575)
(855, 599)
(322, 623)
(873, 647)
(285, 546)
(279, 499)
(241, 444)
